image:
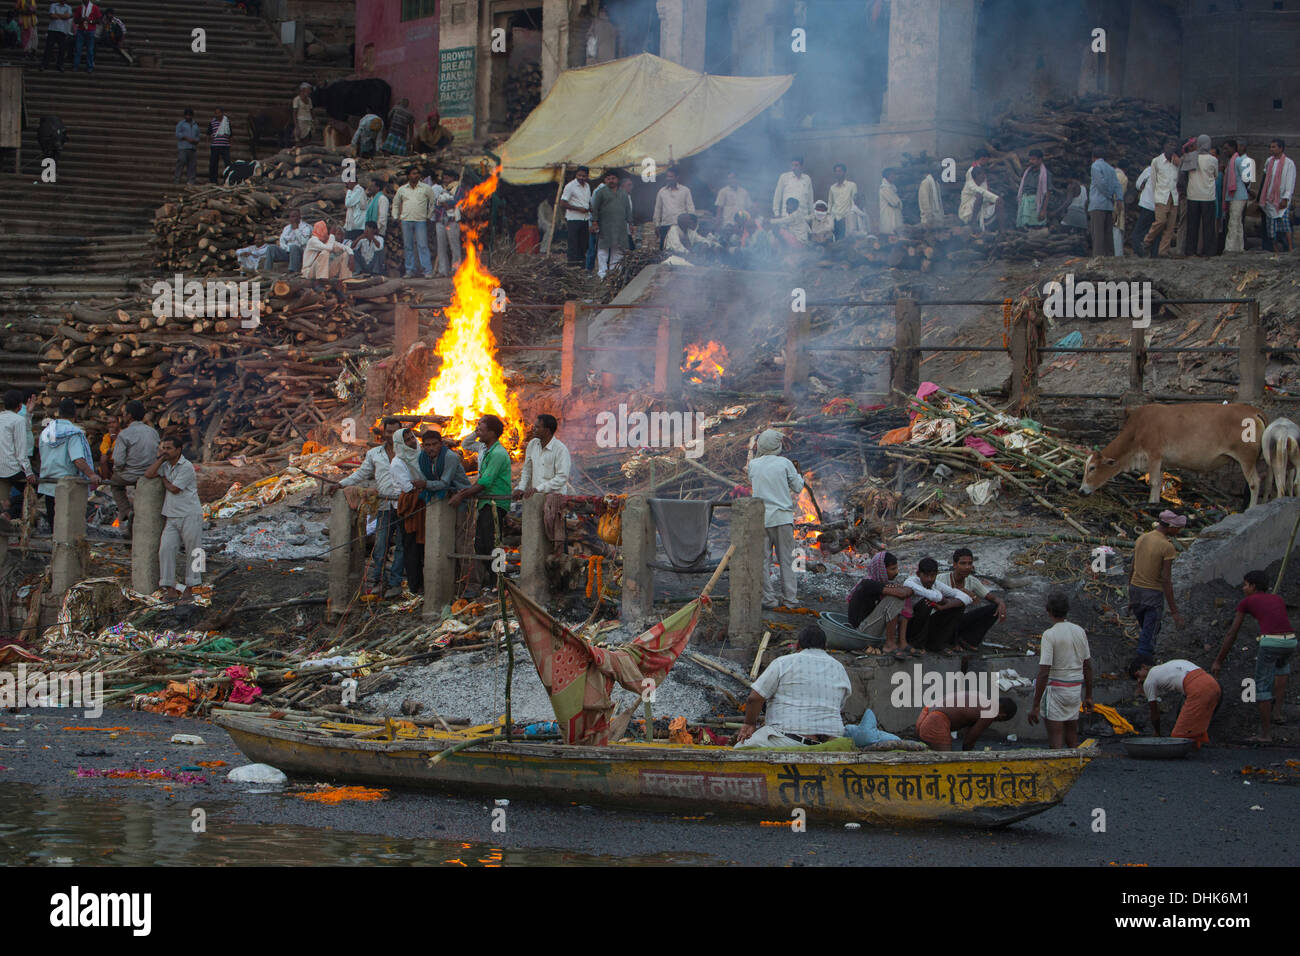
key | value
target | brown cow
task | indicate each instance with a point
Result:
(1201, 437)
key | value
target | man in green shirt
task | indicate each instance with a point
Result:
(492, 489)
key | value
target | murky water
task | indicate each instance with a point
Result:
(42, 829)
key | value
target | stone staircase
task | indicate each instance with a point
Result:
(118, 164)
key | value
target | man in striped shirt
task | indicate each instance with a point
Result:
(803, 692)
(218, 144)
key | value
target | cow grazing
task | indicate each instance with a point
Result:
(274, 125)
(1201, 437)
(1282, 452)
(345, 98)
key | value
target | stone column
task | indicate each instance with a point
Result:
(745, 573)
(555, 41)
(1251, 358)
(574, 359)
(668, 356)
(340, 556)
(681, 31)
(439, 570)
(638, 552)
(146, 534)
(406, 328)
(533, 550)
(67, 566)
(931, 61)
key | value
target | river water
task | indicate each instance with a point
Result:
(40, 828)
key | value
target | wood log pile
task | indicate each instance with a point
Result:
(523, 92)
(229, 389)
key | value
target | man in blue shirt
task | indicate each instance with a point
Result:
(65, 452)
(187, 141)
(1102, 196)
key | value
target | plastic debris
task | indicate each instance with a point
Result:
(257, 773)
(191, 739)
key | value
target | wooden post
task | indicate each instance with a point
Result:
(406, 328)
(668, 356)
(555, 212)
(67, 564)
(146, 534)
(748, 565)
(797, 331)
(440, 521)
(1252, 359)
(533, 549)
(373, 403)
(907, 336)
(340, 556)
(573, 354)
(638, 552)
(1137, 362)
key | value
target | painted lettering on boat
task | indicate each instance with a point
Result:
(746, 787)
(957, 788)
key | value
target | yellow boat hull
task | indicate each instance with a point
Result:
(990, 788)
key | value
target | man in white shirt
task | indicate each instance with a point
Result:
(968, 627)
(293, 240)
(804, 693)
(684, 239)
(794, 224)
(368, 252)
(375, 471)
(546, 462)
(354, 216)
(891, 206)
(575, 200)
(793, 184)
(980, 206)
(670, 202)
(930, 200)
(377, 205)
(1064, 684)
(932, 601)
(1146, 210)
(15, 459)
(840, 199)
(446, 222)
(183, 515)
(1201, 693)
(413, 208)
(1201, 198)
(776, 482)
(59, 37)
(1164, 194)
(731, 199)
(325, 256)
(1275, 196)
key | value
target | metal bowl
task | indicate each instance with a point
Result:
(1158, 748)
(841, 637)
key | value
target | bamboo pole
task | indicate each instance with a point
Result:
(1277, 585)
(555, 211)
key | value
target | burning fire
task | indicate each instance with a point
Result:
(470, 383)
(705, 361)
(807, 514)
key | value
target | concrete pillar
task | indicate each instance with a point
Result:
(1251, 358)
(681, 31)
(340, 556)
(907, 357)
(373, 405)
(745, 573)
(668, 356)
(798, 331)
(439, 570)
(146, 534)
(533, 549)
(555, 41)
(406, 328)
(574, 360)
(67, 566)
(753, 37)
(638, 552)
(931, 62)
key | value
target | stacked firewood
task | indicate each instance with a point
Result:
(523, 91)
(233, 390)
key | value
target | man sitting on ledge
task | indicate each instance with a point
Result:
(968, 626)
(803, 692)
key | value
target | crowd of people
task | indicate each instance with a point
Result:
(129, 450)
(1192, 202)
(72, 33)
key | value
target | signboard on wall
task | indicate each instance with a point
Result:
(456, 90)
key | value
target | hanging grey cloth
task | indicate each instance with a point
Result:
(683, 531)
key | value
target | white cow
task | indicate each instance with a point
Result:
(1282, 452)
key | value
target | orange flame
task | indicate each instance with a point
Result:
(705, 361)
(470, 382)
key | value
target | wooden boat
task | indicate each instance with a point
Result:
(985, 788)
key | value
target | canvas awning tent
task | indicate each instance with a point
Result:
(618, 113)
